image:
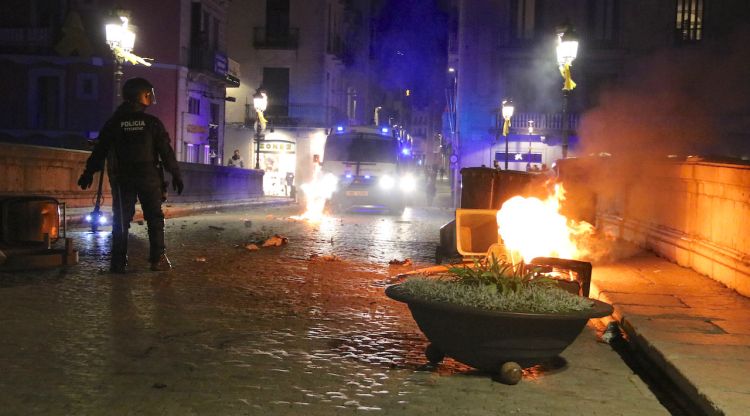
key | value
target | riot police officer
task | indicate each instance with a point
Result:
(136, 147)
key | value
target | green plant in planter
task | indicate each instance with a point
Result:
(496, 284)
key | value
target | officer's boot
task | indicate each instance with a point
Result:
(162, 264)
(157, 257)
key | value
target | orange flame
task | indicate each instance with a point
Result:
(533, 228)
(317, 193)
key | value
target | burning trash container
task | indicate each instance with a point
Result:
(484, 190)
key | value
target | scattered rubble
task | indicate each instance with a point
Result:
(396, 262)
(213, 227)
(248, 223)
(326, 257)
(275, 241)
(252, 247)
(201, 259)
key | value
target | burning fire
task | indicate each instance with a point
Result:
(317, 193)
(533, 228)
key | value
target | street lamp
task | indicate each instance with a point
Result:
(260, 102)
(508, 109)
(121, 40)
(531, 132)
(567, 50)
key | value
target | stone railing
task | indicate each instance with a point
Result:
(695, 213)
(32, 170)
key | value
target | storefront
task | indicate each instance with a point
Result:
(278, 158)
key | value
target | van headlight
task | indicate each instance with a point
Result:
(408, 183)
(386, 182)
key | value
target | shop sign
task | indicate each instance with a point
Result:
(196, 128)
(278, 146)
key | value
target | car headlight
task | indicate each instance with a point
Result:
(408, 183)
(386, 182)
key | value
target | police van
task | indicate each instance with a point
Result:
(371, 166)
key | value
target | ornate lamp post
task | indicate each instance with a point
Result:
(531, 132)
(260, 102)
(121, 40)
(567, 50)
(508, 109)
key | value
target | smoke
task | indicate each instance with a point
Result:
(684, 101)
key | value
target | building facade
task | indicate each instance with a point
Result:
(59, 72)
(505, 49)
(311, 58)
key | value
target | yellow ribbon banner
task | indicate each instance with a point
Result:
(506, 127)
(131, 57)
(568, 83)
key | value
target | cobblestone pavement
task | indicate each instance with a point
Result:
(235, 332)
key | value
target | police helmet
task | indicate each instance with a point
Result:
(133, 87)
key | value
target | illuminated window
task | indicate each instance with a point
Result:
(689, 25)
(191, 153)
(206, 155)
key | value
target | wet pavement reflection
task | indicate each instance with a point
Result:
(273, 331)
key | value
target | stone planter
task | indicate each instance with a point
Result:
(491, 340)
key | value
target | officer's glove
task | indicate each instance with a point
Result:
(177, 185)
(86, 179)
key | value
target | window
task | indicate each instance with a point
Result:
(351, 103)
(215, 36)
(276, 83)
(87, 87)
(48, 103)
(525, 19)
(277, 17)
(603, 21)
(194, 105)
(191, 153)
(214, 109)
(689, 25)
(206, 154)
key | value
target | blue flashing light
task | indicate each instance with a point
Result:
(88, 218)
(367, 176)
(405, 151)
(102, 220)
(348, 176)
(384, 130)
(339, 128)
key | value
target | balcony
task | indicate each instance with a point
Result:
(276, 39)
(544, 123)
(304, 115)
(213, 63)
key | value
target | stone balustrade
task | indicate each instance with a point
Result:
(32, 170)
(695, 213)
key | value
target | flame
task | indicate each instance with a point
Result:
(533, 228)
(317, 193)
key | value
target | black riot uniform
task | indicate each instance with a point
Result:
(136, 147)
